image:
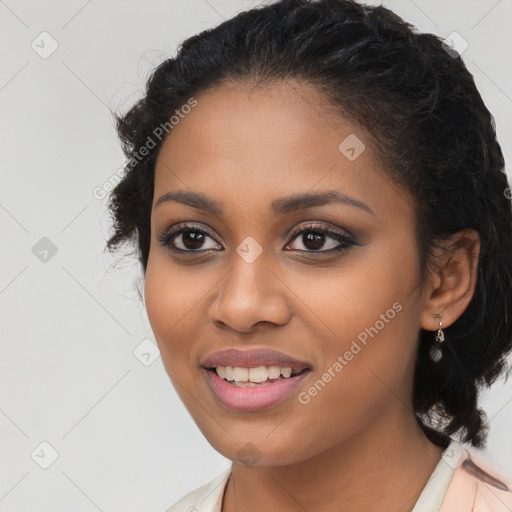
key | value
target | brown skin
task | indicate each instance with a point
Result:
(356, 442)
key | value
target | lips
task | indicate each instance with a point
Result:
(251, 358)
(252, 399)
(253, 379)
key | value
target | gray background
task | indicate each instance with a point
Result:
(72, 374)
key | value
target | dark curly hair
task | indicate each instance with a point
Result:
(430, 127)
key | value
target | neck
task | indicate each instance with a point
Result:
(382, 467)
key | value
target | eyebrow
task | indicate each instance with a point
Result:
(280, 206)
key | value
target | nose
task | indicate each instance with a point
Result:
(250, 294)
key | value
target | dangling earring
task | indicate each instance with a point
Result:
(435, 349)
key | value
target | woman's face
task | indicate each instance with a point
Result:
(257, 275)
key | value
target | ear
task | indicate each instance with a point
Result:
(450, 287)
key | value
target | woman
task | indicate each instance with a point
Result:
(320, 208)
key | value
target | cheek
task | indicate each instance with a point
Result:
(368, 295)
(363, 372)
(169, 303)
(366, 330)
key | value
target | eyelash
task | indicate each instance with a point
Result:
(165, 237)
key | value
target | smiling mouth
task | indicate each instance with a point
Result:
(256, 376)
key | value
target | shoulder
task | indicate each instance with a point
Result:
(207, 498)
(476, 487)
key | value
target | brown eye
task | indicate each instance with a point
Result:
(187, 238)
(320, 239)
(192, 239)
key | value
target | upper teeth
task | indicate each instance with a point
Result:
(256, 374)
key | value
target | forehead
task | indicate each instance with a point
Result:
(243, 144)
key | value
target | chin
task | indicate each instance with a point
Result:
(256, 450)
